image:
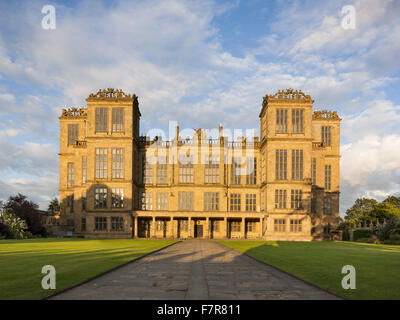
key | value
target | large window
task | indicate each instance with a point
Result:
(117, 223)
(100, 223)
(71, 175)
(251, 202)
(279, 225)
(212, 169)
(327, 205)
(297, 164)
(183, 224)
(118, 119)
(280, 199)
(281, 164)
(72, 133)
(162, 173)
(83, 224)
(314, 170)
(295, 225)
(83, 201)
(101, 119)
(250, 226)
(101, 163)
(328, 177)
(147, 201)
(100, 198)
(117, 198)
(235, 226)
(236, 171)
(186, 169)
(84, 169)
(297, 120)
(162, 201)
(185, 200)
(281, 120)
(235, 204)
(117, 163)
(211, 201)
(70, 202)
(251, 171)
(296, 199)
(147, 170)
(326, 136)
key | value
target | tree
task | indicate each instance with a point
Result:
(393, 200)
(360, 210)
(26, 210)
(54, 206)
(15, 225)
(383, 211)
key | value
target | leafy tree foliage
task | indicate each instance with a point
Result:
(54, 206)
(26, 210)
(15, 225)
(393, 200)
(360, 210)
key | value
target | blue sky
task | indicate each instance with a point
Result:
(200, 63)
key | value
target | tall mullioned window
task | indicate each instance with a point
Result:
(236, 171)
(100, 223)
(211, 169)
(147, 170)
(118, 119)
(101, 163)
(251, 171)
(314, 171)
(162, 201)
(84, 169)
(118, 163)
(281, 164)
(296, 199)
(117, 223)
(117, 198)
(280, 199)
(71, 175)
(72, 133)
(100, 198)
(297, 120)
(185, 200)
(162, 170)
(70, 202)
(279, 225)
(147, 201)
(328, 177)
(251, 202)
(297, 164)
(211, 201)
(84, 201)
(326, 136)
(281, 120)
(186, 169)
(235, 203)
(327, 205)
(101, 119)
(295, 225)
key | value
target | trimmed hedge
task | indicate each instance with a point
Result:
(361, 233)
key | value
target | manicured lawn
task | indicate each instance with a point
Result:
(75, 260)
(377, 266)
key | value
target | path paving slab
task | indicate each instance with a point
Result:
(195, 269)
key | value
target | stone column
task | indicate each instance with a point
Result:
(189, 227)
(172, 228)
(224, 228)
(243, 236)
(135, 231)
(261, 227)
(154, 228)
(207, 228)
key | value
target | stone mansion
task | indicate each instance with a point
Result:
(283, 185)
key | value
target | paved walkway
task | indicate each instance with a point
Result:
(196, 269)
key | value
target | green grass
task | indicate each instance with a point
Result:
(377, 266)
(75, 260)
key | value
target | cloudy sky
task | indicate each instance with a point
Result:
(200, 63)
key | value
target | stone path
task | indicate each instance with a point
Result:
(195, 269)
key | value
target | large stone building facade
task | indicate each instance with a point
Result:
(283, 185)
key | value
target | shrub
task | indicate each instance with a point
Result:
(394, 237)
(394, 231)
(361, 233)
(16, 225)
(4, 231)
